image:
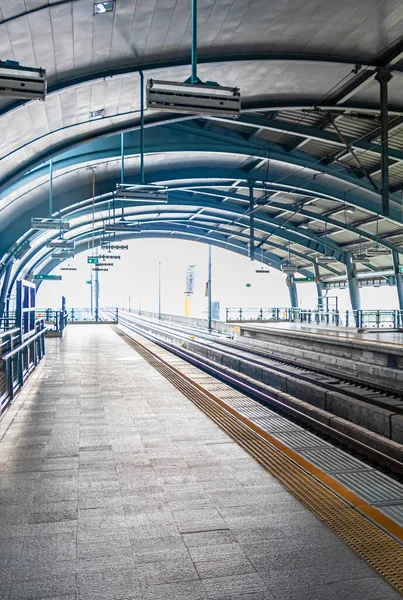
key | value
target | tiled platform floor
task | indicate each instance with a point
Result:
(115, 486)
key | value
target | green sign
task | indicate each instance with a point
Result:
(248, 285)
(89, 282)
(92, 260)
(42, 277)
(304, 279)
(401, 269)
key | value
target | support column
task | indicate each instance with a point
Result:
(141, 126)
(159, 290)
(353, 284)
(319, 287)
(292, 289)
(209, 290)
(251, 224)
(384, 76)
(4, 288)
(398, 278)
(96, 290)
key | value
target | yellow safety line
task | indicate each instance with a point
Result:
(340, 508)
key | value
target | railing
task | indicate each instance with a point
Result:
(55, 320)
(96, 315)
(19, 355)
(369, 319)
(58, 319)
(7, 321)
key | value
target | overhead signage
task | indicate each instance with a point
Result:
(43, 277)
(115, 247)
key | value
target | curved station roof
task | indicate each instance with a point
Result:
(313, 166)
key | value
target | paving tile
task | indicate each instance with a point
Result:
(207, 538)
(188, 590)
(108, 584)
(166, 571)
(369, 588)
(221, 587)
(45, 587)
(199, 519)
(224, 567)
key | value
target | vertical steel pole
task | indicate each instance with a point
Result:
(251, 224)
(4, 288)
(92, 295)
(209, 289)
(97, 290)
(159, 290)
(50, 187)
(292, 289)
(194, 78)
(319, 286)
(141, 127)
(122, 166)
(122, 154)
(353, 284)
(398, 277)
(384, 76)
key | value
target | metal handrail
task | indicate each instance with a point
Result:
(23, 345)
(375, 319)
(19, 360)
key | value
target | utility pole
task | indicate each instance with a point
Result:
(159, 290)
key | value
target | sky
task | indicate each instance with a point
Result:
(133, 281)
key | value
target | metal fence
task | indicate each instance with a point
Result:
(55, 320)
(19, 355)
(371, 319)
(7, 321)
(58, 319)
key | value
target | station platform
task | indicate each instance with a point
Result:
(114, 485)
(382, 336)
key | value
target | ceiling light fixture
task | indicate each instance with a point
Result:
(104, 7)
(122, 226)
(144, 193)
(62, 244)
(49, 223)
(324, 260)
(378, 251)
(13, 84)
(195, 98)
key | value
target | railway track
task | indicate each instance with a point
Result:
(377, 396)
(380, 453)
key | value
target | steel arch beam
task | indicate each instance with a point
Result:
(264, 223)
(185, 233)
(216, 175)
(169, 225)
(170, 138)
(259, 57)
